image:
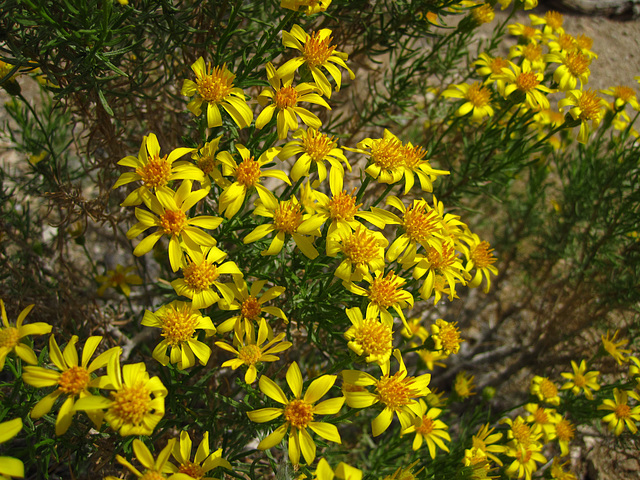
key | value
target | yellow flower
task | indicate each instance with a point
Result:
(527, 82)
(463, 385)
(562, 43)
(545, 390)
(203, 462)
(10, 337)
(170, 209)
(404, 473)
(479, 256)
(154, 469)
(552, 21)
(581, 380)
(342, 471)
(206, 158)
(299, 414)
(316, 148)
(558, 473)
(531, 54)
(574, 66)
(586, 106)
(73, 379)
(288, 219)
(251, 352)
(119, 278)
(200, 274)
(486, 441)
(370, 336)
(215, 87)
(10, 467)
(387, 160)
(179, 322)
(543, 419)
(309, 7)
(430, 357)
(135, 405)
(483, 13)
(247, 176)
(565, 431)
(622, 95)
(317, 52)
(399, 393)
(614, 349)
(525, 461)
(527, 32)
(441, 264)
(478, 100)
(363, 251)
(416, 329)
(621, 412)
(284, 98)
(446, 337)
(155, 171)
(429, 429)
(251, 306)
(520, 434)
(415, 164)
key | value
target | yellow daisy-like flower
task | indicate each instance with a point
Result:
(552, 21)
(526, 32)
(309, 7)
(429, 429)
(487, 442)
(525, 461)
(446, 337)
(543, 419)
(136, 403)
(565, 431)
(416, 329)
(622, 414)
(386, 163)
(284, 98)
(585, 106)
(370, 336)
(154, 469)
(251, 305)
(399, 393)
(478, 100)
(179, 322)
(562, 43)
(11, 337)
(120, 278)
(10, 467)
(214, 86)
(201, 270)
(251, 352)
(443, 266)
(405, 473)
(317, 52)
(169, 214)
(545, 390)
(299, 414)
(574, 67)
(528, 82)
(155, 171)
(204, 460)
(363, 252)
(558, 472)
(531, 55)
(316, 148)
(634, 370)
(622, 95)
(342, 471)
(384, 292)
(416, 165)
(520, 434)
(581, 380)
(463, 385)
(288, 219)
(613, 347)
(481, 258)
(483, 13)
(206, 159)
(73, 379)
(247, 176)
(430, 357)
(487, 66)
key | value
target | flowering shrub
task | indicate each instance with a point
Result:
(325, 195)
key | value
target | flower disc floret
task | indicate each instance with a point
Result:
(317, 144)
(131, 403)
(286, 97)
(156, 172)
(178, 325)
(287, 217)
(317, 49)
(74, 380)
(393, 391)
(9, 337)
(482, 255)
(248, 172)
(216, 84)
(298, 413)
(200, 276)
(342, 206)
(250, 308)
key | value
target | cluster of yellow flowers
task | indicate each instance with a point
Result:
(546, 60)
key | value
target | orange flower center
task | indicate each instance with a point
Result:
(343, 206)
(566, 41)
(74, 380)
(155, 173)
(523, 456)
(483, 14)
(250, 354)
(521, 432)
(464, 385)
(482, 255)
(215, 86)
(387, 153)
(579, 380)
(152, 475)
(287, 217)
(173, 222)
(529, 32)
(478, 96)
(248, 172)
(565, 430)
(9, 337)
(192, 469)
(413, 156)
(317, 145)
(527, 81)
(207, 163)
(200, 276)
(316, 50)
(590, 105)
(577, 63)
(394, 391)
(449, 336)
(532, 52)
(178, 324)
(250, 308)
(420, 222)
(286, 97)
(298, 413)
(548, 389)
(584, 42)
(427, 425)
(497, 64)
(540, 416)
(440, 261)
(361, 247)
(554, 19)
(131, 403)
(623, 411)
(375, 337)
(623, 92)
(384, 291)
